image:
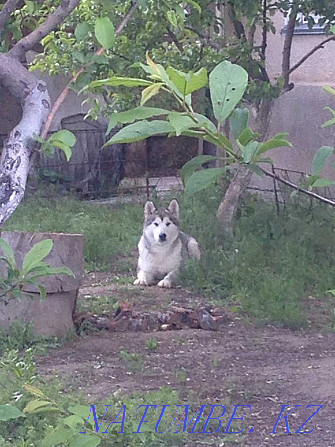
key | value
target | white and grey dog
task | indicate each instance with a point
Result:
(163, 247)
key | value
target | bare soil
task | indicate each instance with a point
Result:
(241, 364)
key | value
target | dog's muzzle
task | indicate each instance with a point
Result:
(162, 237)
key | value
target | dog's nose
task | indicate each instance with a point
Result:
(162, 237)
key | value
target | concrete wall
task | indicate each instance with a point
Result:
(318, 69)
(300, 112)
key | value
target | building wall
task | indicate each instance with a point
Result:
(318, 69)
(300, 112)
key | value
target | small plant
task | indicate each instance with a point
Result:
(151, 344)
(33, 268)
(181, 375)
(134, 360)
(62, 139)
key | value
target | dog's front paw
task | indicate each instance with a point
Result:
(165, 283)
(140, 282)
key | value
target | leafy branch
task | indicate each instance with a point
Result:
(227, 84)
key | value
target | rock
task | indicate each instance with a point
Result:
(206, 320)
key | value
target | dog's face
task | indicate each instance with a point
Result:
(161, 225)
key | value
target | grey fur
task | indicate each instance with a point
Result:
(163, 247)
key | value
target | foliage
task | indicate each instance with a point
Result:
(151, 343)
(323, 153)
(227, 84)
(273, 263)
(42, 414)
(62, 139)
(33, 268)
(173, 32)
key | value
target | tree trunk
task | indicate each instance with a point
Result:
(14, 166)
(241, 180)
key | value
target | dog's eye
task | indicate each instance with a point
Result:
(156, 224)
(168, 224)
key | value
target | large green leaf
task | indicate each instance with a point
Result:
(84, 440)
(172, 18)
(204, 121)
(181, 122)
(74, 420)
(323, 182)
(81, 31)
(227, 83)
(247, 135)
(320, 159)
(239, 121)
(196, 81)
(63, 147)
(80, 410)
(330, 122)
(58, 436)
(159, 73)
(34, 405)
(130, 116)
(104, 32)
(8, 252)
(194, 4)
(8, 412)
(329, 89)
(178, 78)
(273, 143)
(249, 151)
(46, 270)
(192, 165)
(65, 136)
(187, 83)
(117, 81)
(139, 131)
(36, 254)
(200, 180)
(150, 91)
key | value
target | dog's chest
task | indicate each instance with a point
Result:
(162, 260)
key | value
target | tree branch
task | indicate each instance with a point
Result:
(50, 24)
(175, 40)
(14, 167)
(264, 31)
(238, 25)
(288, 44)
(7, 10)
(204, 37)
(297, 188)
(309, 54)
(66, 90)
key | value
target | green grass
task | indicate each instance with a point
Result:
(107, 232)
(271, 264)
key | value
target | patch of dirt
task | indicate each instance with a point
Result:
(238, 365)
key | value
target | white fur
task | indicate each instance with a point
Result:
(160, 260)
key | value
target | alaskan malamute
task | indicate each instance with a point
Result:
(163, 247)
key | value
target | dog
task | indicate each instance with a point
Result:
(163, 247)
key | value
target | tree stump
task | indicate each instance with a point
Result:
(53, 316)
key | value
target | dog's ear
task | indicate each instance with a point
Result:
(149, 208)
(173, 208)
